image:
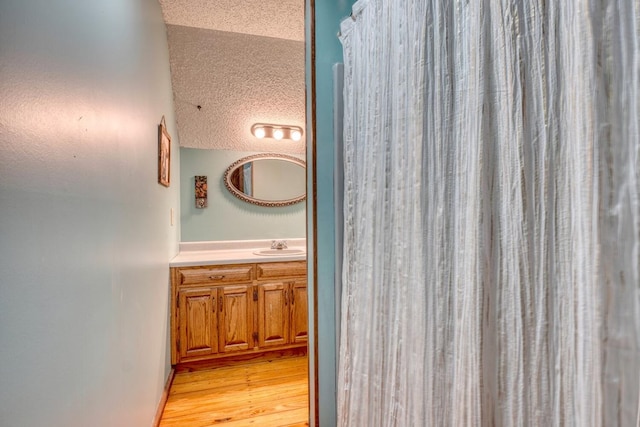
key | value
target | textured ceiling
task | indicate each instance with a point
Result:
(237, 80)
(242, 62)
(268, 18)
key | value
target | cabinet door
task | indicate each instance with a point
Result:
(198, 323)
(236, 318)
(273, 314)
(298, 307)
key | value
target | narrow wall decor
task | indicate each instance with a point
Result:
(201, 191)
(164, 154)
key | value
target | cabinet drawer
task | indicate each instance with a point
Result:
(215, 275)
(282, 269)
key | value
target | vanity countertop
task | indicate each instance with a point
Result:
(234, 252)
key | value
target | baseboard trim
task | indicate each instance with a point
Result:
(163, 398)
(240, 359)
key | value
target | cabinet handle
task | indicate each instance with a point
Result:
(213, 304)
(216, 277)
(293, 297)
(221, 301)
(286, 296)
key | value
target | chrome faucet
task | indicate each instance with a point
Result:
(279, 244)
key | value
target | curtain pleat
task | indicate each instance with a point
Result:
(387, 312)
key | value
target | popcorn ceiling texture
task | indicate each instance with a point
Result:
(237, 80)
(282, 19)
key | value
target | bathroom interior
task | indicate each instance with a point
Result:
(238, 81)
(489, 273)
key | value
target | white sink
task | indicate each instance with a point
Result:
(280, 252)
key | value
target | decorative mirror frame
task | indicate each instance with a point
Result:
(253, 200)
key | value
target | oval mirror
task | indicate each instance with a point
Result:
(267, 179)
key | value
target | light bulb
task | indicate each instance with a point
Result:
(259, 132)
(278, 134)
(296, 135)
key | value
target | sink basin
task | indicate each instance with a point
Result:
(279, 252)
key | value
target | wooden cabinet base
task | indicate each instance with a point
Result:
(237, 311)
(254, 356)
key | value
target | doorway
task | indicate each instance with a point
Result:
(235, 67)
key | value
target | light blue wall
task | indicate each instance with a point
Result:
(85, 234)
(328, 15)
(227, 217)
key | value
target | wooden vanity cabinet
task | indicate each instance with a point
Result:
(198, 330)
(273, 314)
(282, 304)
(298, 307)
(224, 310)
(282, 313)
(236, 318)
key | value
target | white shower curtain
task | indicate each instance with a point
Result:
(491, 269)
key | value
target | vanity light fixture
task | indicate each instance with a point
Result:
(277, 132)
(259, 132)
(296, 135)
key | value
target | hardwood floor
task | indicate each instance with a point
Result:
(267, 393)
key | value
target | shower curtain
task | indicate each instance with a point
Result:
(491, 272)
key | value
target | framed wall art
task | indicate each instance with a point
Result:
(164, 154)
(201, 191)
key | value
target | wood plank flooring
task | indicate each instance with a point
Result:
(270, 393)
